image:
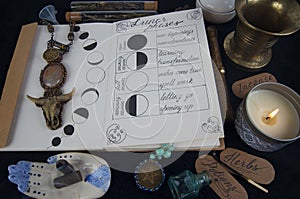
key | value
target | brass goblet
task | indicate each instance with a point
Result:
(260, 24)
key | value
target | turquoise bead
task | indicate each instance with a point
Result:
(164, 145)
(152, 156)
(160, 151)
(167, 154)
(171, 148)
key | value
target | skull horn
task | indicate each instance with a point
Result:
(38, 101)
(66, 97)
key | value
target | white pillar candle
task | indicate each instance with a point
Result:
(285, 125)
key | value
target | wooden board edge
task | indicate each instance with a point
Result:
(14, 80)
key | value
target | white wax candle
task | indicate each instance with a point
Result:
(262, 102)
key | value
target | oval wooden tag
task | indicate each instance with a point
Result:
(223, 183)
(241, 87)
(253, 167)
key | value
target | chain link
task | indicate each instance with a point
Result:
(52, 43)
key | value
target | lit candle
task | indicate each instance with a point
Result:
(268, 117)
(284, 125)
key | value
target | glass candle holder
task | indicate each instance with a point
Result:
(186, 185)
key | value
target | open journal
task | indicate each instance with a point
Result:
(138, 83)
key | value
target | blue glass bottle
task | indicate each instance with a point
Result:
(186, 185)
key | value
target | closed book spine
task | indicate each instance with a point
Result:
(105, 16)
(113, 5)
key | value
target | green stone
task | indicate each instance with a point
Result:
(152, 156)
(167, 154)
(160, 151)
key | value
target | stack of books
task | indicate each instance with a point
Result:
(110, 11)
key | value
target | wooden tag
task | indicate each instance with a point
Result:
(241, 87)
(253, 167)
(223, 183)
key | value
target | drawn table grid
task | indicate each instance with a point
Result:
(166, 78)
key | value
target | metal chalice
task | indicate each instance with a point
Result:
(260, 24)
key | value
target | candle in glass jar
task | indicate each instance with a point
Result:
(284, 125)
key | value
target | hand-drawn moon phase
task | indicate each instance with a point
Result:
(90, 96)
(84, 35)
(136, 105)
(137, 42)
(95, 58)
(89, 44)
(80, 115)
(56, 141)
(69, 129)
(95, 75)
(140, 77)
(137, 60)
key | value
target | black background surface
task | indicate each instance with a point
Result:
(285, 66)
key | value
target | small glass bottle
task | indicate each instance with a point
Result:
(186, 185)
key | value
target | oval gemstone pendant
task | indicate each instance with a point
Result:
(52, 55)
(53, 76)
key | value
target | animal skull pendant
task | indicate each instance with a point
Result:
(52, 105)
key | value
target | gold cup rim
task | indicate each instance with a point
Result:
(240, 4)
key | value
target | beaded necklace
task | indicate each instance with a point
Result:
(52, 78)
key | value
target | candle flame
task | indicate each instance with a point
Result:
(272, 114)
